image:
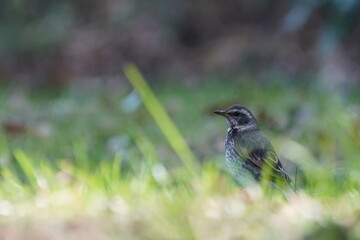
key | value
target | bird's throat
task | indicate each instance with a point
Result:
(242, 128)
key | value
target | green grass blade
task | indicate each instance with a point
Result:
(116, 166)
(26, 165)
(160, 116)
(146, 147)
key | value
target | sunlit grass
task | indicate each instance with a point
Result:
(99, 172)
(161, 117)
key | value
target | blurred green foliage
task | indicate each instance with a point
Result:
(34, 28)
(93, 158)
(76, 155)
(53, 43)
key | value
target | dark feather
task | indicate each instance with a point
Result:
(247, 148)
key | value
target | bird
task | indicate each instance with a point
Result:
(249, 154)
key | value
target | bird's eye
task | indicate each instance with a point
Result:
(236, 114)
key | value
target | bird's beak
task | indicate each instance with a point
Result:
(221, 112)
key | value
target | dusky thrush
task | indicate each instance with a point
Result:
(249, 154)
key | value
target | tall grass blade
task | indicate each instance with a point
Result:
(26, 165)
(161, 117)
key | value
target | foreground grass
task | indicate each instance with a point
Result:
(94, 165)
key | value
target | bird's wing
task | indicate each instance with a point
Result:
(275, 162)
(263, 158)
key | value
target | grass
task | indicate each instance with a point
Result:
(79, 164)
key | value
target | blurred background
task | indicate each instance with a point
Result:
(56, 43)
(91, 150)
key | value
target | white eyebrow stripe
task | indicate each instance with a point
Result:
(246, 113)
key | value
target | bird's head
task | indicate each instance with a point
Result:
(238, 116)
